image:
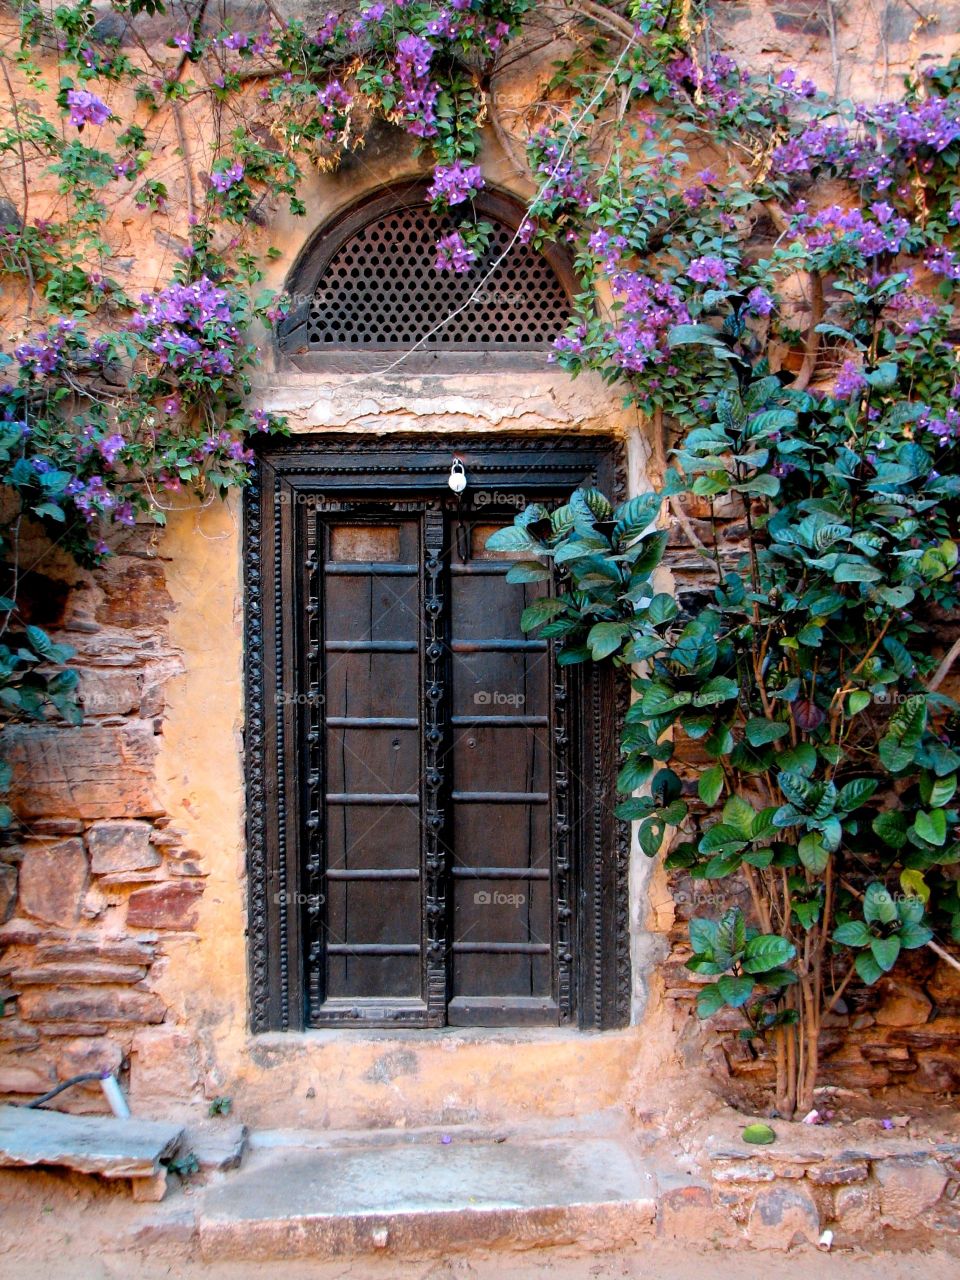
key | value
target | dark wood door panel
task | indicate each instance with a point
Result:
(430, 825)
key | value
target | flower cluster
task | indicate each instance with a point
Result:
(815, 145)
(418, 92)
(45, 354)
(850, 381)
(719, 86)
(454, 254)
(334, 102)
(653, 308)
(884, 232)
(86, 108)
(191, 328)
(920, 128)
(708, 270)
(452, 184)
(222, 180)
(563, 171)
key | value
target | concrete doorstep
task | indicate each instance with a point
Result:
(426, 1195)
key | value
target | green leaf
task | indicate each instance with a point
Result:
(719, 689)
(722, 837)
(937, 792)
(856, 793)
(684, 334)
(596, 503)
(760, 731)
(735, 991)
(914, 935)
(767, 951)
(513, 538)
(528, 571)
(658, 700)
(856, 571)
(857, 701)
(605, 638)
(731, 935)
(662, 608)
(710, 785)
(932, 826)
(891, 827)
(650, 835)
(894, 756)
(885, 952)
(703, 935)
(740, 815)
(636, 515)
(709, 1000)
(764, 827)
(812, 854)
(878, 905)
(852, 934)
(766, 485)
(634, 774)
(808, 913)
(541, 611)
(42, 643)
(867, 968)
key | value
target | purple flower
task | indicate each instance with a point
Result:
(453, 254)
(455, 183)
(418, 92)
(223, 180)
(759, 302)
(942, 261)
(86, 108)
(110, 447)
(850, 381)
(708, 270)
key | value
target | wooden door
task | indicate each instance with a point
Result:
(440, 789)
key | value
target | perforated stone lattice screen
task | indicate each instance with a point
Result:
(381, 289)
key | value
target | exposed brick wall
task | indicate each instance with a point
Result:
(95, 880)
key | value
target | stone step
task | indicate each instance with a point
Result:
(103, 1145)
(432, 1191)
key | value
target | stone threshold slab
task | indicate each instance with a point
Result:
(104, 1145)
(428, 1196)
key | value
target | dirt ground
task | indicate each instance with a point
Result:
(653, 1261)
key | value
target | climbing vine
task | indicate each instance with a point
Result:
(769, 275)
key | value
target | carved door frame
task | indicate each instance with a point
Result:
(290, 478)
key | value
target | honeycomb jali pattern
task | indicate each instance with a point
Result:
(381, 289)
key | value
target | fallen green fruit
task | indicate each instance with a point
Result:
(760, 1134)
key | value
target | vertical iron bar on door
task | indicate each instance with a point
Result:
(434, 748)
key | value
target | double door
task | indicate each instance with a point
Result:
(448, 854)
